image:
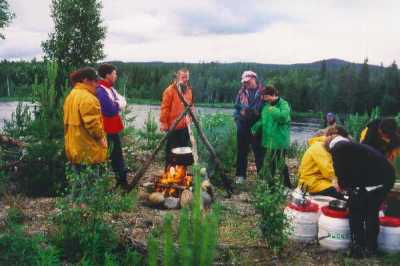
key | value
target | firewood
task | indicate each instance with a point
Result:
(186, 198)
(156, 198)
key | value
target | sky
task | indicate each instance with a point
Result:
(262, 31)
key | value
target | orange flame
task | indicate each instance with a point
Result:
(174, 175)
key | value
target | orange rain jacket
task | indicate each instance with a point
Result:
(172, 107)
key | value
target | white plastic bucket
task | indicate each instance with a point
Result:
(303, 225)
(321, 201)
(389, 239)
(333, 233)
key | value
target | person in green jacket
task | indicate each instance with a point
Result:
(274, 126)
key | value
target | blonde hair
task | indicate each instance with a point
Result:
(179, 71)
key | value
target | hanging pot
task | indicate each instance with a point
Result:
(182, 156)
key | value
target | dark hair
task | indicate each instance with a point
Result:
(388, 126)
(270, 90)
(337, 130)
(105, 69)
(83, 73)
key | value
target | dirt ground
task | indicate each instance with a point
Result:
(240, 241)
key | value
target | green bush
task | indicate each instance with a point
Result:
(41, 172)
(18, 248)
(269, 200)
(355, 123)
(220, 130)
(149, 135)
(81, 231)
(196, 237)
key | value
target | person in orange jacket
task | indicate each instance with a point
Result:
(171, 108)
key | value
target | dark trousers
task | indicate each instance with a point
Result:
(177, 138)
(116, 157)
(364, 219)
(275, 159)
(331, 192)
(244, 140)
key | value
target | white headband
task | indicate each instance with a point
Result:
(336, 140)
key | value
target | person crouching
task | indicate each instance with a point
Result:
(368, 177)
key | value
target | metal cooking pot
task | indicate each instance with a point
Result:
(299, 198)
(339, 205)
(182, 156)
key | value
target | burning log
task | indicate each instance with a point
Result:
(174, 180)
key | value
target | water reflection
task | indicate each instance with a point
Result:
(301, 130)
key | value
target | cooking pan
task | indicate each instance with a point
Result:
(338, 205)
(182, 156)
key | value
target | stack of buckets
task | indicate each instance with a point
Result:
(315, 220)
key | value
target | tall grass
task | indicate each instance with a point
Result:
(196, 236)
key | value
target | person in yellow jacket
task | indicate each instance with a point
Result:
(382, 135)
(316, 171)
(85, 139)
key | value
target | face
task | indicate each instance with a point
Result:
(270, 98)
(183, 77)
(251, 83)
(112, 77)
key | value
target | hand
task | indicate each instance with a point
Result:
(103, 142)
(336, 185)
(163, 127)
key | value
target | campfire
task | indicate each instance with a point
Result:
(174, 181)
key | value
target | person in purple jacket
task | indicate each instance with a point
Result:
(112, 103)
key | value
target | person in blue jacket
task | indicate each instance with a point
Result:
(248, 105)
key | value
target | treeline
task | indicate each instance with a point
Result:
(330, 85)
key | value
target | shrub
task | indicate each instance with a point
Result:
(149, 135)
(269, 199)
(42, 171)
(355, 123)
(81, 231)
(220, 130)
(18, 248)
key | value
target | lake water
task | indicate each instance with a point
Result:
(300, 130)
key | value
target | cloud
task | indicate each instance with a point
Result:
(265, 31)
(226, 17)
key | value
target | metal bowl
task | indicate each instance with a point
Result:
(337, 204)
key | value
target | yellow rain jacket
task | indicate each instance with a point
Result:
(316, 168)
(83, 127)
